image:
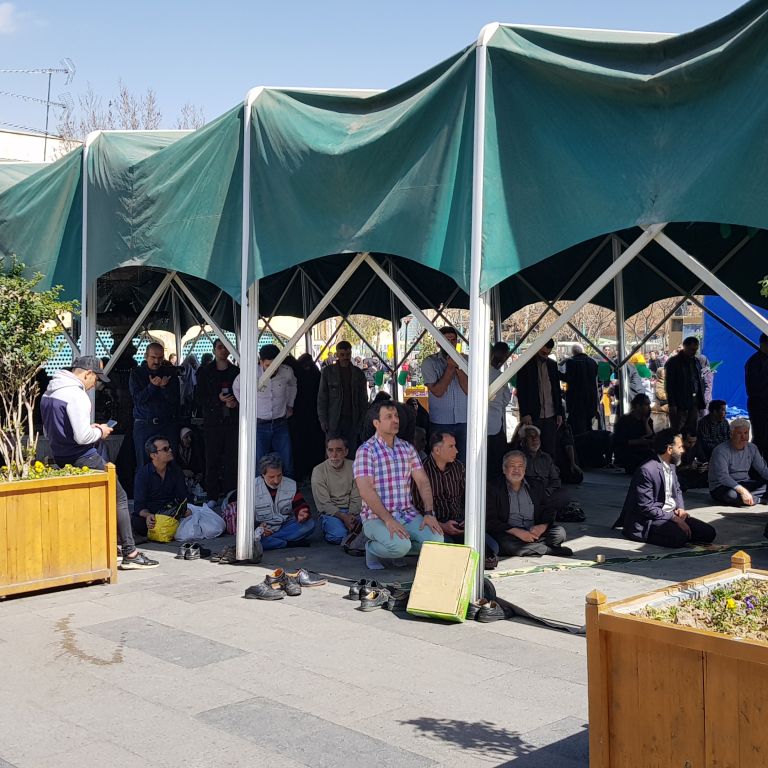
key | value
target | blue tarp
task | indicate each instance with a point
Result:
(721, 344)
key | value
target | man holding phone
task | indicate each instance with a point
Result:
(447, 385)
(154, 388)
(220, 421)
(73, 439)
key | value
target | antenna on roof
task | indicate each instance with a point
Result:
(66, 68)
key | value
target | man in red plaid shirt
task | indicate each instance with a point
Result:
(384, 467)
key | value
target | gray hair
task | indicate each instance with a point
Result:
(512, 455)
(577, 349)
(525, 429)
(270, 461)
(740, 424)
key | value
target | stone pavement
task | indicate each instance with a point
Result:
(172, 667)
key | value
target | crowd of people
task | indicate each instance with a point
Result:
(390, 476)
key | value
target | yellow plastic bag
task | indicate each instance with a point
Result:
(164, 530)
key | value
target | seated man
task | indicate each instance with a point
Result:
(447, 479)
(653, 511)
(160, 486)
(385, 468)
(732, 467)
(633, 435)
(713, 428)
(519, 514)
(692, 471)
(539, 466)
(335, 492)
(280, 511)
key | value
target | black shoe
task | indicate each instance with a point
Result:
(182, 553)
(560, 551)
(264, 591)
(361, 586)
(281, 579)
(193, 552)
(490, 562)
(488, 611)
(398, 600)
(307, 578)
(138, 563)
(376, 598)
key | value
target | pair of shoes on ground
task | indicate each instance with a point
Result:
(485, 611)
(373, 594)
(138, 562)
(228, 555)
(281, 583)
(191, 550)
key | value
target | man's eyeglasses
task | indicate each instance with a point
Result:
(165, 449)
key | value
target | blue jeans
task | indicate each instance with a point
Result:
(383, 545)
(288, 534)
(491, 545)
(459, 431)
(274, 436)
(333, 529)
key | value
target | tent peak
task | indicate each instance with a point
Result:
(487, 32)
(594, 33)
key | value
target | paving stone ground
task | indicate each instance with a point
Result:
(172, 667)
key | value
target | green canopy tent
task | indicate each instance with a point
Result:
(12, 173)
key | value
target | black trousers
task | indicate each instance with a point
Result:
(580, 421)
(497, 447)
(670, 534)
(548, 429)
(727, 496)
(511, 546)
(221, 443)
(760, 432)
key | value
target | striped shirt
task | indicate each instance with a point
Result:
(447, 490)
(391, 470)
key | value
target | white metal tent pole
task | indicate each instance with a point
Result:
(177, 328)
(497, 319)
(698, 269)
(305, 307)
(310, 320)
(88, 292)
(621, 344)
(515, 365)
(137, 323)
(418, 314)
(397, 391)
(206, 316)
(68, 337)
(479, 324)
(249, 359)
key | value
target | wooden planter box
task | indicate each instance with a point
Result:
(57, 531)
(666, 696)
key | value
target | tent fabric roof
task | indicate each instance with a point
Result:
(587, 132)
(587, 136)
(13, 173)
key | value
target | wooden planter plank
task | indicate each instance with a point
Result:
(663, 695)
(57, 531)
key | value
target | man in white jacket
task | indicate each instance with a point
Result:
(73, 439)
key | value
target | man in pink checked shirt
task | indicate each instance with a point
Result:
(384, 467)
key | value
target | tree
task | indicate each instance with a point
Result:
(125, 111)
(27, 334)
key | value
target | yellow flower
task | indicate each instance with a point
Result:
(39, 466)
(86, 469)
(731, 603)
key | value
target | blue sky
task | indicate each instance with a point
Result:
(209, 54)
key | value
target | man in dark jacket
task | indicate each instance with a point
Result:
(685, 387)
(581, 396)
(653, 511)
(216, 401)
(756, 380)
(342, 399)
(538, 397)
(154, 388)
(519, 516)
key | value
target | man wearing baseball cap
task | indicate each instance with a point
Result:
(73, 439)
